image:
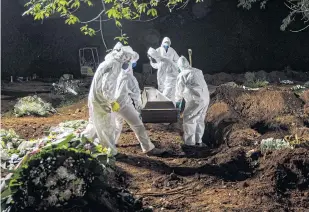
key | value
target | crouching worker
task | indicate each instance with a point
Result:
(192, 86)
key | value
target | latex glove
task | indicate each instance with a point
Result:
(178, 105)
(115, 106)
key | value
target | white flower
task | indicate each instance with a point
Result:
(78, 186)
(42, 175)
(66, 194)
(54, 192)
(52, 200)
(71, 177)
(62, 172)
(36, 181)
(51, 181)
(31, 200)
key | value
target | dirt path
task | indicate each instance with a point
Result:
(218, 179)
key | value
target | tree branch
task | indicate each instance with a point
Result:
(300, 29)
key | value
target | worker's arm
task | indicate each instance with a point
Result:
(154, 65)
(161, 76)
(135, 92)
(180, 87)
(107, 83)
(176, 57)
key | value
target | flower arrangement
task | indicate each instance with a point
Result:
(271, 144)
(33, 105)
(64, 172)
(55, 179)
(10, 142)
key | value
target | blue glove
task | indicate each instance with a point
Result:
(178, 105)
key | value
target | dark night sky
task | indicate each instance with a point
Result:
(223, 38)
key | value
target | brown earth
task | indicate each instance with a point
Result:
(221, 177)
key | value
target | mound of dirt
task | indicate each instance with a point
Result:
(283, 178)
(238, 117)
(287, 169)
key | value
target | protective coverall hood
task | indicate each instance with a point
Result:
(125, 54)
(118, 46)
(166, 40)
(183, 63)
(154, 54)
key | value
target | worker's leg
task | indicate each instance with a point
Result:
(189, 125)
(104, 124)
(131, 116)
(90, 131)
(191, 115)
(200, 126)
(118, 128)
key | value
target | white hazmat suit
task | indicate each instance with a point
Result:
(170, 53)
(192, 87)
(129, 90)
(166, 75)
(116, 48)
(101, 98)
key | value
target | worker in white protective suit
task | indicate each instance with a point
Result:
(116, 48)
(102, 100)
(166, 75)
(128, 89)
(165, 50)
(192, 87)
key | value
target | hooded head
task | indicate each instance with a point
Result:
(125, 54)
(118, 46)
(167, 41)
(154, 54)
(183, 63)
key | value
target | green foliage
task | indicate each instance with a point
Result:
(112, 9)
(257, 84)
(255, 81)
(123, 38)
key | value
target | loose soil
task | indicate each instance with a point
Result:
(221, 177)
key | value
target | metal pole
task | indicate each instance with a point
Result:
(190, 56)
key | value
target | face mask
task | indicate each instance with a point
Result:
(125, 66)
(134, 65)
(165, 46)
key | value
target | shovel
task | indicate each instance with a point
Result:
(190, 56)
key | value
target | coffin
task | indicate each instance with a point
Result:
(157, 108)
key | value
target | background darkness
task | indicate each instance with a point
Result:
(223, 38)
